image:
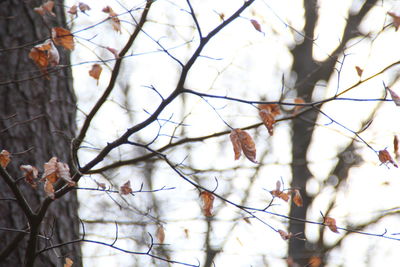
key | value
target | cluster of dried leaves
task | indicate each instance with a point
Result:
(53, 170)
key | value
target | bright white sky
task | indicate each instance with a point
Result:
(250, 66)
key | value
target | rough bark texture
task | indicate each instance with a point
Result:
(37, 121)
(309, 72)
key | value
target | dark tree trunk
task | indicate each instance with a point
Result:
(309, 72)
(37, 122)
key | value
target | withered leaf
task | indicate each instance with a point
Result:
(268, 120)
(49, 189)
(30, 174)
(4, 158)
(359, 71)
(83, 7)
(297, 199)
(68, 262)
(126, 189)
(395, 97)
(160, 234)
(115, 22)
(396, 20)
(385, 157)
(95, 72)
(208, 203)
(256, 25)
(242, 141)
(284, 235)
(46, 8)
(63, 37)
(331, 223)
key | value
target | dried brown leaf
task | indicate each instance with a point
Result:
(237, 147)
(83, 7)
(396, 20)
(298, 101)
(247, 144)
(95, 72)
(297, 199)
(68, 262)
(30, 174)
(256, 25)
(385, 157)
(160, 234)
(46, 8)
(268, 120)
(5, 158)
(208, 202)
(73, 10)
(126, 189)
(396, 146)
(284, 235)
(63, 37)
(395, 97)
(115, 22)
(113, 51)
(49, 189)
(331, 223)
(359, 71)
(50, 170)
(63, 173)
(274, 109)
(314, 261)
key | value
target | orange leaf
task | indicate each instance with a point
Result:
(4, 158)
(126, 189)
(268, 120)
(68, 262)
(116, 24)
(359, 71)
(237, 147)
(63, 37)
(284, 235)
(45, 54)
(208, 202)
(395, 97)
(314, 261)
(298, 100)
(247, 144)
(278, 193)
(46, 8)
(30, 174)
(256, 25)
(384, 157)
(95, 72)
(160, 234)
(331, 223)
(49, 189)
(396, 20)
(53, 170)
(297, 199)
(274, 109)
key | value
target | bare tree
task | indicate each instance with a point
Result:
(37, 122)
(165, 186)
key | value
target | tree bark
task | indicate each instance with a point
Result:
(37, 122)
(309, 72)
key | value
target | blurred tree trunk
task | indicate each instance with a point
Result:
(309, 72)
(37, 121)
